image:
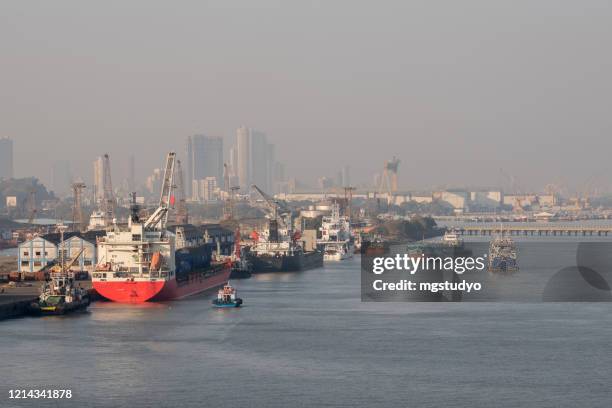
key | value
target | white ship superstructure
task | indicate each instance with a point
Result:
(336, 241)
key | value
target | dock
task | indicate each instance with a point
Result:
(547, 230)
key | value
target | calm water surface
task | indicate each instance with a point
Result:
(305, 339)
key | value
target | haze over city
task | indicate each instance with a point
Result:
(457, 90)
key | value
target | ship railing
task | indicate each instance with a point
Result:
(159, 274)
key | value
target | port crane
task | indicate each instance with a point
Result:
(158, 220)
(388, 181)
(280, 212)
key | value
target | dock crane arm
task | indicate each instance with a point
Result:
(279, 210)
(159, 218)
(273, 204)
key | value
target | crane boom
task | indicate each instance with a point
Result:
(159, 218)
(271, 202)
(280, 212)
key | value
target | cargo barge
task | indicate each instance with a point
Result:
(279, 249)
(284, 258)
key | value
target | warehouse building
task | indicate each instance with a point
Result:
(38, 252)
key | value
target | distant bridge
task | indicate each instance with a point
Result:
(536, 230)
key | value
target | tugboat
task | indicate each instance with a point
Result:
(502, 255)
(226, 297)
(59, 295)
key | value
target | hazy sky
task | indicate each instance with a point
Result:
(456, 89)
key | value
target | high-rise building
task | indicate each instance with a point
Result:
(233, 161)
(205, 189)
(243, 157)
(6, 158)
(154, 182)
(98, 182)
(61, 178)
(253, 160)
(204, 159)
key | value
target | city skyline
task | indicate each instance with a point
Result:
(456, 91)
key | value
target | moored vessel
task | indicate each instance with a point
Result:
(279, 249)
(336, 240)
(143, 263)
(60, 294)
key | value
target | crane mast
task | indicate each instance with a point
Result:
(159, 218)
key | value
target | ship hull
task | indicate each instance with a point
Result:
(160, 290)
(301, 262)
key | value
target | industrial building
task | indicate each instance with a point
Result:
(38, 252)
(204, 190)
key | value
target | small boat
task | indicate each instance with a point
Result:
(226, 297)
(452, 238)
(60, 296)
(337, 251)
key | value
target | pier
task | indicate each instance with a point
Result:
(547, 230)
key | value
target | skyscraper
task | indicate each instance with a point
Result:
(98, 182)
(204, 159)
(243, 157)
(253, 160)
(6, 158)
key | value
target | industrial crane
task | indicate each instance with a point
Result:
(280, 214)
(159, 218)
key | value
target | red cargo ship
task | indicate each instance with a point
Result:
(142, 263)
(124, 288)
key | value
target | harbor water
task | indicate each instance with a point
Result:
(305, 339)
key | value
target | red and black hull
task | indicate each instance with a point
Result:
(163, 290)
